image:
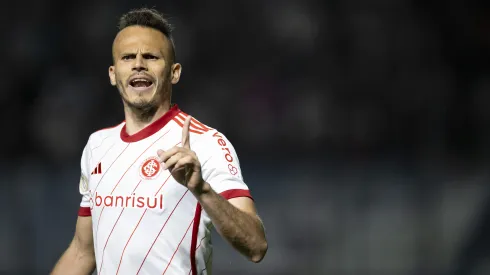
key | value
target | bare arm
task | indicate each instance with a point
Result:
(236, 221)
(79, 258)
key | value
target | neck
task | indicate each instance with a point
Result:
(137, 119)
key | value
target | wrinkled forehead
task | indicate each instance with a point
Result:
(136, 39)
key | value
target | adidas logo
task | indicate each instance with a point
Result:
(97, 170)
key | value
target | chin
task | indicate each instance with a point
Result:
(143, 100)
(140, 103)
(133, 97)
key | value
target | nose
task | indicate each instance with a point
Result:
(139, 63)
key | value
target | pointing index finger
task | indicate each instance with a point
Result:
(185, 133)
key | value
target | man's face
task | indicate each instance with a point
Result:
(142, 69)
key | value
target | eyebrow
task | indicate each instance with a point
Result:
(156, 53)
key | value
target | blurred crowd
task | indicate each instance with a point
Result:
(369, 117)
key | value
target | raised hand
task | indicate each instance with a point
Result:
(182, 162)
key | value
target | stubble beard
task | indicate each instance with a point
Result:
(143, 109)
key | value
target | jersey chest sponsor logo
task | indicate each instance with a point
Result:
(150, 168)
(133, 201)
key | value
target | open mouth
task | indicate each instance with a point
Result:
(140, 83)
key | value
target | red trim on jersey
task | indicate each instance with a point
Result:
(235, 193)
(200, 124)
(195, 232)
(191, 126)
(200, 242)
(183, 116)
(194, 121)
(152, 128)
(84, 212)
(228, 194)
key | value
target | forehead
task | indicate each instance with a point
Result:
(137, 38)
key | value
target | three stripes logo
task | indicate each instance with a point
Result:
(97, 170)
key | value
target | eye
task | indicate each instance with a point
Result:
(149, 56)
(128, 56)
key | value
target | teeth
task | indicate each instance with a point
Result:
(140, 80)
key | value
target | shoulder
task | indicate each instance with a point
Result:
(104, 133)
(204, 137)
(216, 154)
(197, 128)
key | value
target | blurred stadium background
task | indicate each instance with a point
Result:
(362, 126)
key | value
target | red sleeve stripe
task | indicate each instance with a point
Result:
(194, 122)
(84, 212)
(190, 128)
(183, 117)
(200, 124)
(235, 193)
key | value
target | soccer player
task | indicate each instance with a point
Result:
(154, 186)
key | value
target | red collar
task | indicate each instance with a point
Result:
(152, 128)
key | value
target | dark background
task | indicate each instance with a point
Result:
(362, 126)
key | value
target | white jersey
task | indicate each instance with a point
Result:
(144, 222)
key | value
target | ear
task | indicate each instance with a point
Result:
(176, 70)
(112, 75)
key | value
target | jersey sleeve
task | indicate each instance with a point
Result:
(221, 167)
(84, 209)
